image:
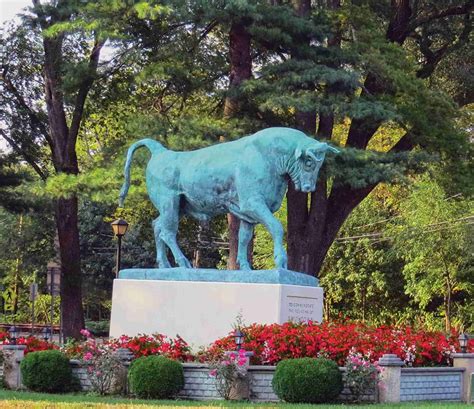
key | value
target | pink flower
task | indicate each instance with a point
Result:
(213, 372)
(86, 333)
(88, 356)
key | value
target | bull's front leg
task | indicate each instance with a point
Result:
(257, 209)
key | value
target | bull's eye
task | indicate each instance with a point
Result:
(308, 163)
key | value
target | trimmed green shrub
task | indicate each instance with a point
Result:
(307, 380)
(46, 371)
(155, 377)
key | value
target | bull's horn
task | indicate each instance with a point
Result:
(333, 149)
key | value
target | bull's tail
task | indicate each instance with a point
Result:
(153, 146)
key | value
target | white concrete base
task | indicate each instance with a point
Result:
(201, 312)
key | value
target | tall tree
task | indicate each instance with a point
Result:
(61, 138)
(68, 68)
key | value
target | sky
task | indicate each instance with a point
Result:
(9, 8)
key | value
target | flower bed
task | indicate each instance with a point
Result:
(142, 345)
(272, 343)
(32, 343)
(335, 340)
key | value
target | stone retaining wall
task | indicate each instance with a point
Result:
(436, 384)
(199, 385)
(416, 384)
(261, 383)
(412, 384)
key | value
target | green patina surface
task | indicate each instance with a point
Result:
(247, 177)
(276, 276)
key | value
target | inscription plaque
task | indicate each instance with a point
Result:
(301, 309)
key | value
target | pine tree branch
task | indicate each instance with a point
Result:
(84, 89)
(28, 158)
(35, 121)
(439, 14)
(213, 24)
(434, 57)
(405, 143)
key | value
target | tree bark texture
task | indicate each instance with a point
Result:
(240, 70)
(70, 256)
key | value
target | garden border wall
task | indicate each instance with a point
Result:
(434, 384)
(415, 384)
(199, 385)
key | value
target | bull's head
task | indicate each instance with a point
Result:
(309, 160)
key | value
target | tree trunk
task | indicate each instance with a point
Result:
(71, 281)
(240, 70)
(303, 234)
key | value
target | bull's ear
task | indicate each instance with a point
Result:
(333, 149)
(298, 153)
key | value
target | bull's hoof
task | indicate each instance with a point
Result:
(163, 264)
(281, 261)
(184, 262)
(244, 266)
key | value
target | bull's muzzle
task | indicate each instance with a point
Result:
(306, 188)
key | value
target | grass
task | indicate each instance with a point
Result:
(31, 400)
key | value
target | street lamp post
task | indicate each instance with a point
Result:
(463, 342)
(239, 339)
(119, 227)
(13, 333)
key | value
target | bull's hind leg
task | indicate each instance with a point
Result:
(161, 257)
(169, 221)
(245, 235)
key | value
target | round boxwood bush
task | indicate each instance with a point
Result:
(155, 377)
(46, 371)
(307, 380)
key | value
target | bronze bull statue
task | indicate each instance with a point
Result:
(247, 177)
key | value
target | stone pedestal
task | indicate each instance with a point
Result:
(391, 371)
(13, 354)
(466, 360)
(202, 310)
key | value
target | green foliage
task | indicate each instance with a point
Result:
(156, 377)
(98, 328)
(433, 236)
(307, 380)
(46, 371)
(402, 257)
(26, 251)
(361, 278)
